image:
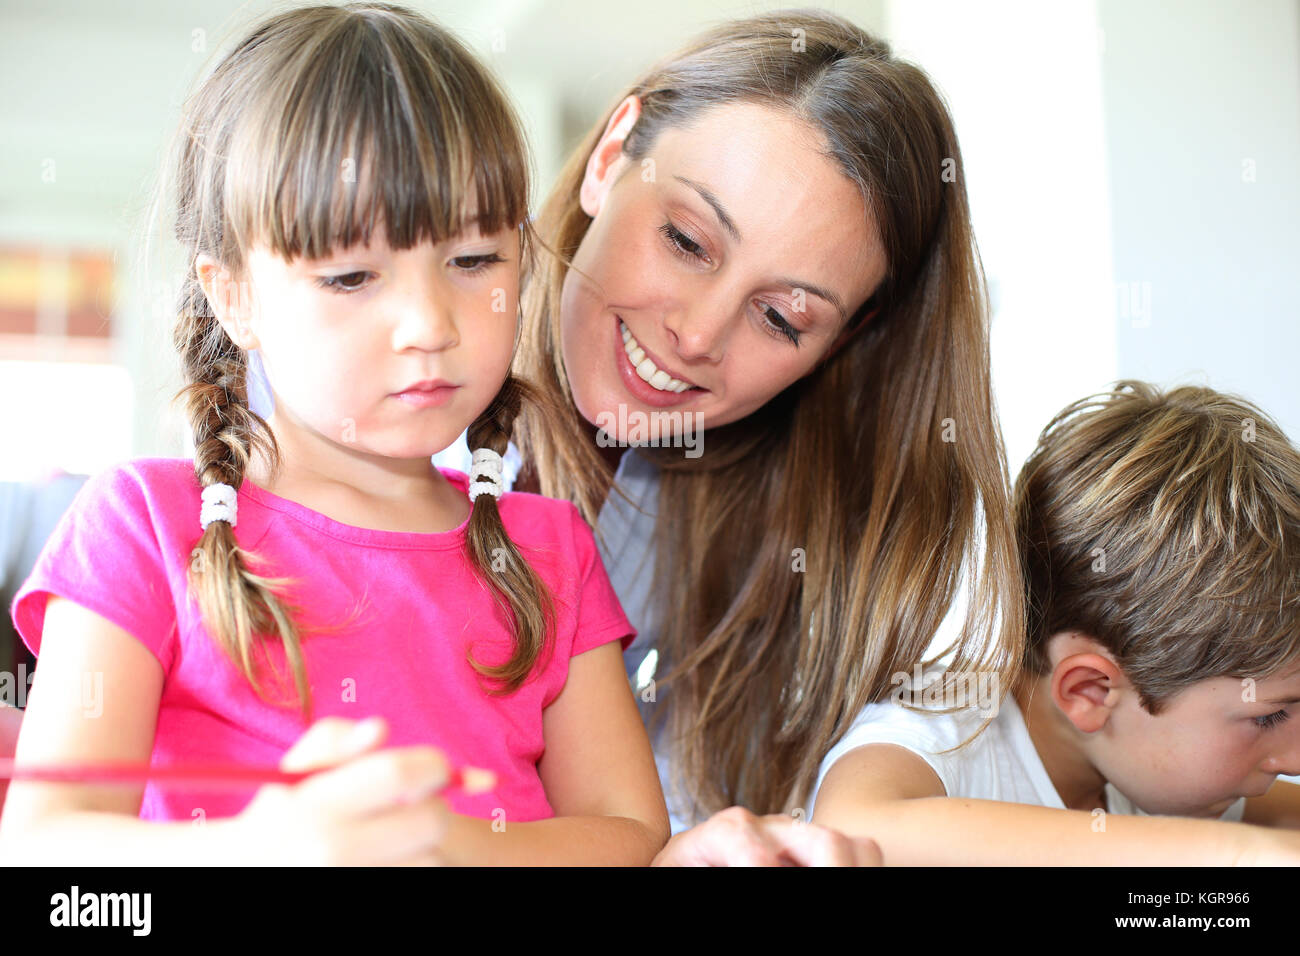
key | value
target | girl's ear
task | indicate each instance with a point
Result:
(607, 158)
(230, 300)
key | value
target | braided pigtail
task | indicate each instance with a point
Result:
(516, 586)
(235, 603)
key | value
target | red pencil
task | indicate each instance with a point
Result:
(208, 774)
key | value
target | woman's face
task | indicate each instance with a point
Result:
(733, 255)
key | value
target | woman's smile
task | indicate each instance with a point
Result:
(643, 386)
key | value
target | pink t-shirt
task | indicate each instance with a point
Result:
(122, 548)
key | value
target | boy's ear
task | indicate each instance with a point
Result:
(1086, 683)
(230, 299)
(607, 159)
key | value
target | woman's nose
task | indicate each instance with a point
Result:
(698, 332)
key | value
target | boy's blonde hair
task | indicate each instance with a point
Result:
(322, 125)
(1166, 526)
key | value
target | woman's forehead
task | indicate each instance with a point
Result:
(765, 183)
(763, 163)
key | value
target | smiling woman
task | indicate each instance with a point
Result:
(775, 218)
(688, 282)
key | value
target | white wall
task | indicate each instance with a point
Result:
(1133, 172)
(1022, 80)
(1203, 125)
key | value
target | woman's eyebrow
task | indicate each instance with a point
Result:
(818, 291)
(707, 195)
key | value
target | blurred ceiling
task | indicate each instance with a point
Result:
(92, 88)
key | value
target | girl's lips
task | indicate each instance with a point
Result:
(642, 390)
(420, 398)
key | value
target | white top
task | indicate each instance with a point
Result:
(1000, 764)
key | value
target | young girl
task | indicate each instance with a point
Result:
(352, 197)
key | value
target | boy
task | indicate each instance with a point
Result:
(1159, 539)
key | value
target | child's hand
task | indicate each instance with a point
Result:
(11, 720)
(372, 809)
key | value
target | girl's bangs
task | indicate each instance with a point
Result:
(372, 146)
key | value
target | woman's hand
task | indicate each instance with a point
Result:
(371, 809)
(736, 837)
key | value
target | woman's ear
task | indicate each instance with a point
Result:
(607, 159)
(230, 300)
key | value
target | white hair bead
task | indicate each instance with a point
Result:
(485, 474)
(218, 505)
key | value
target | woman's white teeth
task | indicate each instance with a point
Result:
(645, 368)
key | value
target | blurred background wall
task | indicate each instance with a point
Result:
(1132, 165)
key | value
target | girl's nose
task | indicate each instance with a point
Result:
(425, 321)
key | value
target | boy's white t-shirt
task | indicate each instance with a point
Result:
(1000, 764)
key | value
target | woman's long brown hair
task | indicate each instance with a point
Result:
(322, 125)
(886, 465)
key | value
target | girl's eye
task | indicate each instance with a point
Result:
(1271, 720)
(475, 264)
(682, 244)
(342, 283)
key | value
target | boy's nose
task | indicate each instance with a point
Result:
(1287, 760)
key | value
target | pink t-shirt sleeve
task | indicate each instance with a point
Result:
(104, 554)
(600, 617)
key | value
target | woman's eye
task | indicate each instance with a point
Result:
(343, 283)
(687, 248)
(1271, 720)
(473, 264)
(681, 243)
(778, 326)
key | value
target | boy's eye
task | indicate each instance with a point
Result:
(1271, 720)
(347, 282)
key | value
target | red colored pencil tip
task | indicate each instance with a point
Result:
(473, 779)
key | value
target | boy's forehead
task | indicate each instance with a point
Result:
(1282, 685)
(1221, 692)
